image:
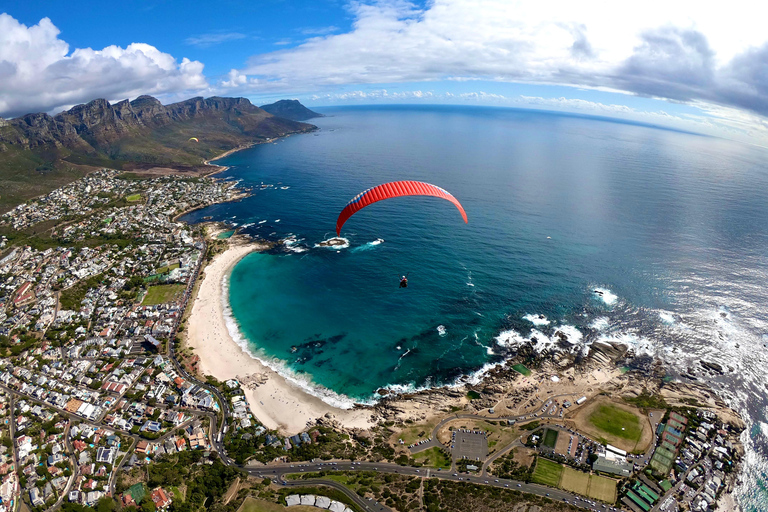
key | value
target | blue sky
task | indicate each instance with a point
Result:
(222, 34)
(683, 64)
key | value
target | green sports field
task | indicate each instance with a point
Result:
(162, 294)
(550, 438)
(547, 472)
(617, 422)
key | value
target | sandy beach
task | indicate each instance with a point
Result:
(275, 402)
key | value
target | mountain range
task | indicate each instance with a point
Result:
(39, 152)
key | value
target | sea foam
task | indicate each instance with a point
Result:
(600, 323)
(537, 319)
(606, 295)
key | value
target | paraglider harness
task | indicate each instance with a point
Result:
(404, 281)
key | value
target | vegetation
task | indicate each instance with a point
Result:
(162, 294)
(434, 457)
(647, 401)
(133, 198)
(547, 472)
(242, 445)
(72, 297)
(254, 505)
(473, 395)
(507, 467)
(206, 480)
(401, 492)
(616, 422)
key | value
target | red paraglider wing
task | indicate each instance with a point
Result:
(394, 189)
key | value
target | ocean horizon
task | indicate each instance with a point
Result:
(581, 229)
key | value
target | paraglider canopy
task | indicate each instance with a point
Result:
(394, 189)
(194, 139)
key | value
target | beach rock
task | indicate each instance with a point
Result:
(332, 242)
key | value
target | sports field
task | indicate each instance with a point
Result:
(575, 481)
(602, 488)
(617, 422)
(547, 472)
(550, 438)
(133, 197)
(162, 294)
(569, 479)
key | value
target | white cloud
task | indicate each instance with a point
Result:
(213, 38)
(237, 79)
(319, 31)
(39, 73)
(681, 51)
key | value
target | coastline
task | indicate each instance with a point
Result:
(222, 168)
(275, 401)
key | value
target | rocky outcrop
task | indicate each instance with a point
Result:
(96, 126)
(290, 109)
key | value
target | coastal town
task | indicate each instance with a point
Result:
(106, 386)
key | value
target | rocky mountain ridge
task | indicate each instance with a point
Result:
(93, 126)
(40, 152)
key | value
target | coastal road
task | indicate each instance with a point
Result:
(280, 471)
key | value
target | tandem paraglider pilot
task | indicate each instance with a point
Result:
(403, 282)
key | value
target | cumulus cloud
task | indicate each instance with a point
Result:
(38, 72)
(681, 51)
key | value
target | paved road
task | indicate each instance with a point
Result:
(279, 471)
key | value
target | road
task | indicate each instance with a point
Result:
(278, 472)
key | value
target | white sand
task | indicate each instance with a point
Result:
(277, 403)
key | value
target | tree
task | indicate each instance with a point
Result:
(147, 506)
(106, 504)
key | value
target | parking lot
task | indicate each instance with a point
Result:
(472, 445)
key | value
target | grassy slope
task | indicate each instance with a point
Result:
(25, 174)
(29, 173)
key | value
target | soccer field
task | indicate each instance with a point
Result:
(617, 422)
(575, 481)
(163, 293)
(547, 472)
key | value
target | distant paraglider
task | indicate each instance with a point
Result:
(194, 139)
(394, 189)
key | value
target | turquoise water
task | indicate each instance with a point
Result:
(670, 227)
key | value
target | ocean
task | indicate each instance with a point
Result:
(596, 229)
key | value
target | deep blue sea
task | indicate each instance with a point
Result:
(670, 228)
